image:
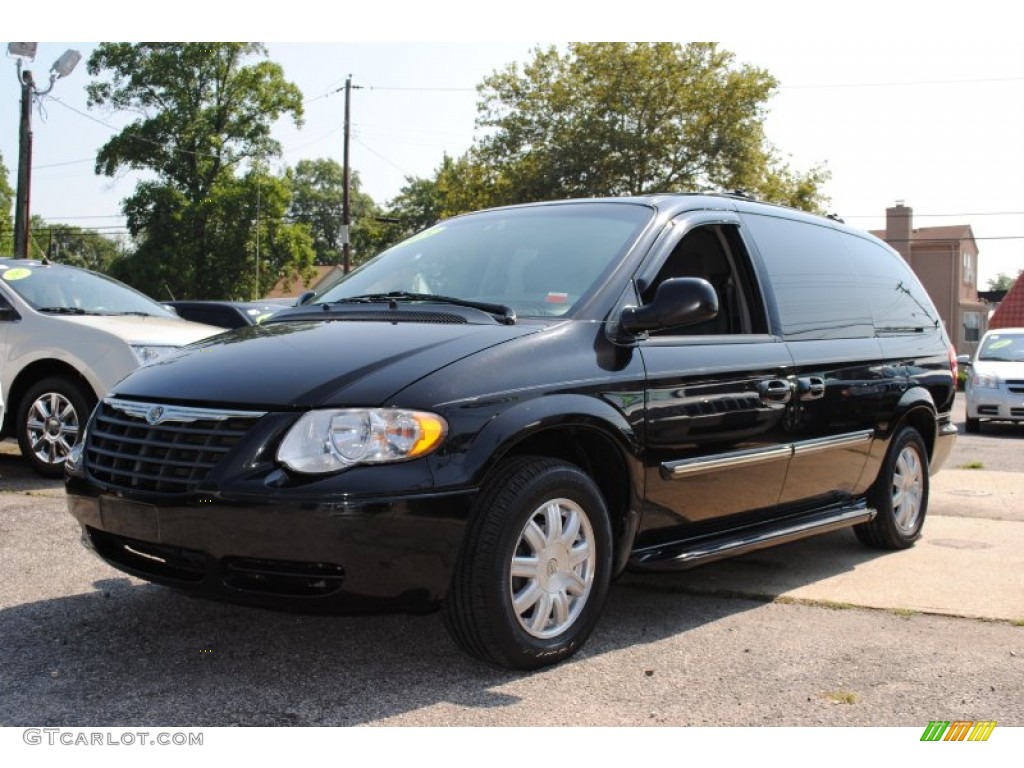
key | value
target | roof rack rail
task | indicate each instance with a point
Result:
(738, 193)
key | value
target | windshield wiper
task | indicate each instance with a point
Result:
(506, 313)
(65, 311)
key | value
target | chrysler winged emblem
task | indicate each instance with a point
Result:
(154, 415)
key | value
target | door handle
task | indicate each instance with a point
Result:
(810, 388)
(775, 391)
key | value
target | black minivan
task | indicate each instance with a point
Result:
(500, 414)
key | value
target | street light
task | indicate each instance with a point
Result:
(62, 67)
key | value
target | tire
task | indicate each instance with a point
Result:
(514, 551)
(900, 495)
(50, 419)
(972, 425)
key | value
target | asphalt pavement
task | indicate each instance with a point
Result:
(819, 632)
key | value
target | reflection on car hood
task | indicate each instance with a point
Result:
(306, 364)
(136, 329)
(1004, 370)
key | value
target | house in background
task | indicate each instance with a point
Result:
(945, 259)
(294, 286)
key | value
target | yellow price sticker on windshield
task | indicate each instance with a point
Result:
(1000, 344)
(18, 273)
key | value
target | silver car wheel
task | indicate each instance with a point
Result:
(552, 569)
(907, 489)
(53, 426)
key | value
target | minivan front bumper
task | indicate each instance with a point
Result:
(352, 556)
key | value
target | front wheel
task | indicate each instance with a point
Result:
(972, 425)
(534, 571)
(900, 495)
(49, 421)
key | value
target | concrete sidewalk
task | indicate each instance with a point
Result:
(962, 566)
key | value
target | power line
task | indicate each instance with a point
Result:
(137, 137)
(378, 154)
(68, 162)
(897, 83)
(937, 215)
(424, 89)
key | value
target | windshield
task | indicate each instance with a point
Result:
(1006, 347)
(65, 290)
(538, 261)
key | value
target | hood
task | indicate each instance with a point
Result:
(137, 329)
(1003, 369)
(308, 364)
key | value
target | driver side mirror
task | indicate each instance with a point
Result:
(964, 361)
(677, 302)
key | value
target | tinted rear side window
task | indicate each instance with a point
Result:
(811, 275)
(897, 299)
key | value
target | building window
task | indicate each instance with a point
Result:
(968, 268)
(972, 326)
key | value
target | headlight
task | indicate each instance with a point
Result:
(985, 381)
(147, 353)
(331, 440)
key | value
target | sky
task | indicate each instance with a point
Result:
(896, 106)
(915, 101)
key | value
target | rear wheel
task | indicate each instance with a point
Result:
(900, 495)
(534, 572)
(49, 421)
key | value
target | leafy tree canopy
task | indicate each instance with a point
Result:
(621, 119)
(318, 199)
(206, 111)
(72, 245)
(1002, 282)
(6, 206)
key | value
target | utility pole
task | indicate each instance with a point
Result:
(346, 214)
(62, 67)
(259, 178)
(22, 207)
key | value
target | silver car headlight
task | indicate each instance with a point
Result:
(147, 353)
(333, 439)
(985, 381)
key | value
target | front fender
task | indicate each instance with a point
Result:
(511, 426)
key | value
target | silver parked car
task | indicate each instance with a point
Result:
(995, 380)
(67, 336)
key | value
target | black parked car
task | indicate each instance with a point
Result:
(500, 414)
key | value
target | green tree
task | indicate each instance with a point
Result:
(621, 119)
(206, 113)
(249, 239)
(72, 245)
(317, 200)
(458, 186)
(1002, 281)
(6, 206)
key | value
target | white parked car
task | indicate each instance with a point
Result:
(67, 336)
(995, 379)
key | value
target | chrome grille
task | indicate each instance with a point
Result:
(154, 448)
